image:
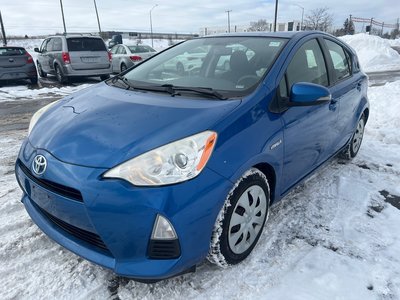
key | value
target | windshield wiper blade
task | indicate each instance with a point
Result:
(122, 79)
(200, 90)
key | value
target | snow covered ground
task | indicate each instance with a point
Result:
(334, 237)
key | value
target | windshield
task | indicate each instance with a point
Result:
(233, 66)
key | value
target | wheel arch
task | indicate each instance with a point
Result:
(269, 172)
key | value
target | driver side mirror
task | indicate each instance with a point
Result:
(308, 94)
(36, 50)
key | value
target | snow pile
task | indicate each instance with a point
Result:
(386, 111)
(374, 53)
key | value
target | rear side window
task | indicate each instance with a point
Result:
(340, 59)
(57, 44)
(11, 51)
(308, 65)
(85, 44)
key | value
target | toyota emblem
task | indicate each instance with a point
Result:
(39, 164)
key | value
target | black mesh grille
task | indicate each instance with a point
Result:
(79, 233)
(56, 188)
(164, 249)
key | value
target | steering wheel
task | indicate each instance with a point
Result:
(247, 80)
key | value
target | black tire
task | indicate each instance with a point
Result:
(241, 220)
(34, 80)
(354, 144)
(40, 70)
(123, 67)
(60, 75)
(104, 77)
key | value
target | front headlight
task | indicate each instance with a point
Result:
(172, 163)
(38, 114)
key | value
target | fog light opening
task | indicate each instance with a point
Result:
(163, 230)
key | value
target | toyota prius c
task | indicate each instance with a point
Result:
(152, 171)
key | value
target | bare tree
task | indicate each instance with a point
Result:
(319, 19)
(260, 25)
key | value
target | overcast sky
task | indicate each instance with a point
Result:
(44, 16)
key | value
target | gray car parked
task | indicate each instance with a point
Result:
(73, 56)
(16, 63)
(124, 56)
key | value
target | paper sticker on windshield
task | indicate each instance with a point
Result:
(274, 44)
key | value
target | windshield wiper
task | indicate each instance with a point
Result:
(174, 90)
(122, 79)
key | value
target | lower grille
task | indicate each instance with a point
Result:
(87, 236)
(164, 249)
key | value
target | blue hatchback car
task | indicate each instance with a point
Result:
(155, 169)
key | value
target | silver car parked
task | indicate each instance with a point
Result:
(73, 56)
(124, 56)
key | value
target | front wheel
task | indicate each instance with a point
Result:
(240, 222)
(354, 145)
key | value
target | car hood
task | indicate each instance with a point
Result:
(103, 126)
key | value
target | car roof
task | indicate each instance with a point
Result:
(76, 35)
(278, 34)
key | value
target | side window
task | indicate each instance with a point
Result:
(43, 47)
(308, 65)
(340, 59)
(283, 92)
(50, 44)
(121, 50)
(114, 49)
(57, 44)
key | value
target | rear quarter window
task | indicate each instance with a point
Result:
(86, 44)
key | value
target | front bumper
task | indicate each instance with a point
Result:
(112, 223)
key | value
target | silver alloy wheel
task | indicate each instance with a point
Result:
(247, 219)
(358, 136)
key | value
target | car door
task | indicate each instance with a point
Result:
(43, 56)
(347, 82)
(308, 130)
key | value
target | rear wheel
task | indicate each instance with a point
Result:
(354, 145)
(40, 70)
(123, 67)
(34, 80)
(60, 75)
(240, 222)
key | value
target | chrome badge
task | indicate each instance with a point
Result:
(39, 164)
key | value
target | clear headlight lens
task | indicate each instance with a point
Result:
(175, 162)
(38, 114)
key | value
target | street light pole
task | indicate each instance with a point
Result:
(302, 16)
(62, 13)
(151, 25)
(229, 20)
(97, 15)
(276, 14)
